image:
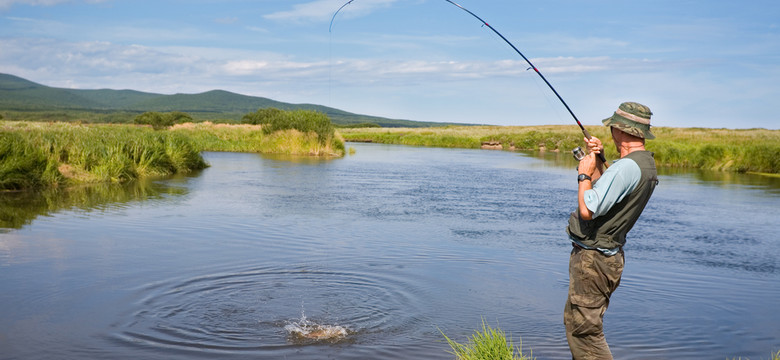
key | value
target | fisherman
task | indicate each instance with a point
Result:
(609, 203)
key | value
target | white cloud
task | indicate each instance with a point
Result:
(323, 10)
(203, 67)
(4, 4)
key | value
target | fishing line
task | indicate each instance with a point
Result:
(532, 66)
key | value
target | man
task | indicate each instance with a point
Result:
(609, 203)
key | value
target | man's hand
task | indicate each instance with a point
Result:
(594, 145)
(588, 165)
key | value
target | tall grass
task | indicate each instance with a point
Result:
(772, 356)
(256, 138)
(22, 165)
(54, 154)
(488, 344)
(750, 150)
(34, 154)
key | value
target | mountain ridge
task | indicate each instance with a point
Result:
(22, 95)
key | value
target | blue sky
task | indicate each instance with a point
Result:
(700, 63)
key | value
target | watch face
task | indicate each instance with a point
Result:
(581, 177)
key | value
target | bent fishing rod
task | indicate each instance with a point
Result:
(584, 131)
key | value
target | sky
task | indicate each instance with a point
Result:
(695, 63)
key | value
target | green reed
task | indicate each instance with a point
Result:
(257, 138)
(59, 153)
(772, 356)
(489, 343)
(749, 150)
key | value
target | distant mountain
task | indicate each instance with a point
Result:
(18, 94)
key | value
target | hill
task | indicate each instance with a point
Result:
(23, 97)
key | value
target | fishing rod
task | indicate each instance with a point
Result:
(584, 131)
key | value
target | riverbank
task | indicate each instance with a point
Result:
(749, 150)
(49, 154)
(251, 138)
(36, 154)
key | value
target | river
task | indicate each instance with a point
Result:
(393, 247)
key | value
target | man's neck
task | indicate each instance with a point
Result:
(628, 148)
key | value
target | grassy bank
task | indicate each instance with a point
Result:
(251, 138)
(36, 154)
(750, 150)
(41, 154)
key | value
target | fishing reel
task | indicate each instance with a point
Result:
(578, 153)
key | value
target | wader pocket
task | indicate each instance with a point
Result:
(586, 313)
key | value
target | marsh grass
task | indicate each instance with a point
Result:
(252, 138)
(39, 154)
(748, 150)
(488, 344)
(773, 356)
(35, 154)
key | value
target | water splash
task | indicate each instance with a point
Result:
(304, 331)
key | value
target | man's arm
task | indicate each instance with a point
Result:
(597, 198)
(585, 213)
(588, 166)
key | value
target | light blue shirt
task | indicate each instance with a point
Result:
(619, 180)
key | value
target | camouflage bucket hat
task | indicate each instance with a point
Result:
(632, 118)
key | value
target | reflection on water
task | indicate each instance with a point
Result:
(20, 208)
(373, 256)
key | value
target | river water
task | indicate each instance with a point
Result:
(391, 247)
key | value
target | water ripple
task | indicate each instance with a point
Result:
(253, 309)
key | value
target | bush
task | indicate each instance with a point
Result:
(162, 120)
(263, 116)
(273, 120)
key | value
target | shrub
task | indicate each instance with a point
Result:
(162, 120)
(263, 116)
(273, 120)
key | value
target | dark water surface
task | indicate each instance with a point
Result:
(394, 245)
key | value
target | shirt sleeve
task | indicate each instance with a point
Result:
(619, 180)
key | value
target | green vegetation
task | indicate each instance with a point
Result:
(773, 356)
(361, 125)
(162, 121)
(273, 120)
(35, 154)
(252, 138)
(489, 344)
(38, 154)
(750, 150)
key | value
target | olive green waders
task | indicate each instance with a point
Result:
(593, 277)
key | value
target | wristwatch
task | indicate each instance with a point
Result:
(581, 177)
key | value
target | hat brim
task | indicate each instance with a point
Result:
(629, 126)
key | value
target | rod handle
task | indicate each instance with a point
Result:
(601, 154)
